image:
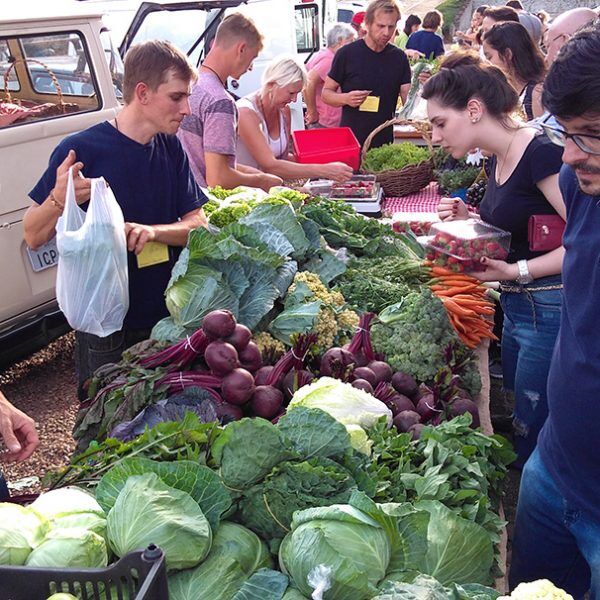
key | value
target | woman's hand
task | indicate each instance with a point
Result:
(337, 171)
(496, 270)
(451, 209)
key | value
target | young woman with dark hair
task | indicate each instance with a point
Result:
(509, 47)
(470, 106)
(426, 39)
(411, 25)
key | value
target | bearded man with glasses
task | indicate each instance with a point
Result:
(557, 529)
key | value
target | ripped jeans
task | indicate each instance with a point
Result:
(531, 322)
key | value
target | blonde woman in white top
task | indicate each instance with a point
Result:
(265, 126)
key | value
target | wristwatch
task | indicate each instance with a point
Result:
(524, 274)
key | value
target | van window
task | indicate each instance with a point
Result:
(307, 28)
(48, 76)
(115, 62)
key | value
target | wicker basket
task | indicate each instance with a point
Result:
(60, 107)
(410, 179)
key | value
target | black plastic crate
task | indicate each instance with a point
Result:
(139, 575)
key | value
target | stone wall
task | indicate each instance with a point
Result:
(554, 7)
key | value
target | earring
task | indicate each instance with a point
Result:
(474, 120)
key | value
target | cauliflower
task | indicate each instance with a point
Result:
(542, 589)
(225, 215)
(270, 348)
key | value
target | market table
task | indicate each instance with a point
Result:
(425, 200)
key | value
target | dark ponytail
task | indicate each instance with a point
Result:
(463, 76)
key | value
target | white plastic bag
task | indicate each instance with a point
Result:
(92, 279)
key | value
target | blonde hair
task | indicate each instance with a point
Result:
(387, 6)
(151, 62)
(284, 71)
(238, 27)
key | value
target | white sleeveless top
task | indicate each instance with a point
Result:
(278, 146)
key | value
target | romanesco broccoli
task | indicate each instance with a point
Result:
(228, 214)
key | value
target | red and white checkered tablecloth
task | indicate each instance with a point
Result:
(425, 200)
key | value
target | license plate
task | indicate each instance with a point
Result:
(44, 257)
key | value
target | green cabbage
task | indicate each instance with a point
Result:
(66, 501)
(244, 545)
(338, 546)
(72, 548)
(147, 511)
(21, 530)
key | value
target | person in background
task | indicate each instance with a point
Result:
(563, 27)
(368, 75)
(357, 23)
(142, 160)
(544, 18)
(509, 47)
(265, 126)
(470, 106)
(469, 37)
(426, 40)
(209, 133)
(319, 114)
(412, 24)
(532, 24)
(497, 14)
(557, 527)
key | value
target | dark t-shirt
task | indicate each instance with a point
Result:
(568, 443)
(427, 42)
(153, 185)
(510, 205)
(357, 67)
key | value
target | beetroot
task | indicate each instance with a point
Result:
(228, 412)
(416, 430)
(221, 357)
(362, 384)
(426, 407)
(237, 387)
(261, 376)
(266, 402)
(294, 380)
(251, 358)
(240, 337)
(336, 362)
(405, 384)
(404, 420)
(364, 373)
(219, 324)
(460, 406)
(398, 403)
(383, 371)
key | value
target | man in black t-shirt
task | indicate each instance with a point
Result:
(370, 74)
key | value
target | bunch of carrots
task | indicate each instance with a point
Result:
(469, 310)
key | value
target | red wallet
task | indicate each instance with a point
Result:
(545, 232)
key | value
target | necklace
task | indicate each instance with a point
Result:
(205, 66)
(501, 166)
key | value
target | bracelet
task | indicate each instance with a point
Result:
(55, 202)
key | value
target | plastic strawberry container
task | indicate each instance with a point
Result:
(418, 222)
(460, 245)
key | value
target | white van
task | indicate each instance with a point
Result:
(55, 79)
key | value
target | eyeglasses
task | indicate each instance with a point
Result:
(587, 143)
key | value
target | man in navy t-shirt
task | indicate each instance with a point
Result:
(144, 163)
(557, 530)
(367, 76)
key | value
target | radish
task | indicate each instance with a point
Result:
(221, 357)
(219, 324)
(237, 387)
(251, 358)
(240, 337)
(266, 402)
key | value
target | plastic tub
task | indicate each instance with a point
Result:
(460, 245)
(327, 145)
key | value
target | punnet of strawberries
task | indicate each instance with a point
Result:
(460, 245)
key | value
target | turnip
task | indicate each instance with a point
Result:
(221, 357)
(365, 373)
(336, 362)
(240, 337)
(460, 406)
(251, 358)
(404, 420)
(237, 387)
(399, 403)
(383, 371)
(362, 384)
(426, 407)
(405, 384)
(219, 324)
(266, 402)
(228, 412)
(294, 380)
(416, 430)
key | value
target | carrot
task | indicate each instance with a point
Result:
(457, 309)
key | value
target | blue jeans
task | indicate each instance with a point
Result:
(553, 539)
(531, 322)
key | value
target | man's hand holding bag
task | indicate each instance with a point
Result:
(92, 279)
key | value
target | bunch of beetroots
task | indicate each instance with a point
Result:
(462, 254)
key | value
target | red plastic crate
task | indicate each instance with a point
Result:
(327, 145)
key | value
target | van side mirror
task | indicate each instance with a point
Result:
(307, 28)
